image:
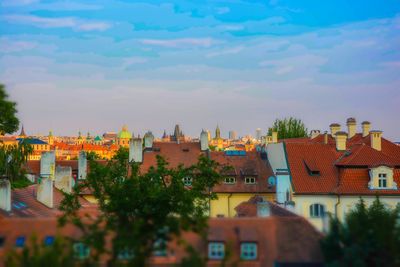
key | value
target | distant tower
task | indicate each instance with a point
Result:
(123, 137)
(80, 140)
(232, 135)
(258, 134)
(217, 133)
(22, 133)
(204, 140)
(51, 138)
(177, 134)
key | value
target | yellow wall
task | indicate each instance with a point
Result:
(302, 205)
(226, 203)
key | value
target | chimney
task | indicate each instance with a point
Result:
(314, 133)
(366, 127)
(274, 137)
(335, 127)
(63, 178)
(351, 127)
(82, 165)
(47, 164)
(203, 140)
(148, 140)
(263, 209)
(376, 140)
(326, 138)
(136, 150)
(5, 194)
(341, 138)
(45, 192)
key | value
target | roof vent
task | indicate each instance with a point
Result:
(312, 168)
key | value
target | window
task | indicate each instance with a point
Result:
(317, 210)
(230, 180)
(20, 241)
(382, 180)
(125, 254)
(187, 181)
(248, 251)
(81, 251)
(160, 248)
(249, 180)
(49, 240)
(216, 250)
(2, 241)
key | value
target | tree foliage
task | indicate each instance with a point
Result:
(8, 121)
(37, 254)
(12, 160)
(288, 128)
(142, 211)
(368, 237)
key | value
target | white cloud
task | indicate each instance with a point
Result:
(284, 70)
(65, 22)
(133, 60)
(7, 45)
(181, 42)
(233, 50)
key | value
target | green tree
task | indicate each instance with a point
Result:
(91, 155)
(142, 211)
(12, 160)
(37, 254)
(8, 121)
(368, 237)
(288, 128)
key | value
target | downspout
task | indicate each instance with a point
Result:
(229, 205)
(336, 205)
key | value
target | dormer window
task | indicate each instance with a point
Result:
(249, 180)
(230, 180)
(381, 177)
(187, 181)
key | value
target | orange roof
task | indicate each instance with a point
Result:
(343, 172)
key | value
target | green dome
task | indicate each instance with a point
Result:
(124, 134)
(97, 138)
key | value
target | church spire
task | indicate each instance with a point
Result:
(217, 132)
(22, 133)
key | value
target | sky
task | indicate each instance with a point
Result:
(97, 65)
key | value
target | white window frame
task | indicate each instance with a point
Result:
(317, 210)
(250, 180)
(230, 180)
(248, 251)
(187, 181)
(382, 178)
(216, 250)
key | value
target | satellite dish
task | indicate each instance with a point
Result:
(271, 180)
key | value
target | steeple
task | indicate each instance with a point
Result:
(177, 132)
(164, 135)
(22, 133)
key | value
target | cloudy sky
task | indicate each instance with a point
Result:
(96, 65)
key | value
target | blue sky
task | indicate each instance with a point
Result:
(96, 65)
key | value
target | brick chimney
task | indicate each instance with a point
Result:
(5, 194)
(376, 140)
(366, 127)
(335, 127)
(341, 138)
(351, 127)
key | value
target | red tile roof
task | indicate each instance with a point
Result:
(249, 208)
(340, 172)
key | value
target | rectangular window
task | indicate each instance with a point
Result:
(160, 248)
(248, 251)
(20, 241)
(382, 180)
(2, 241)
(249, 180)
(216, 250)
(49, 240)
(125, 254)
(81, 251)
(230, 180)
(187, 181)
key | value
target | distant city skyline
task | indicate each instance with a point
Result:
(74, 65)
